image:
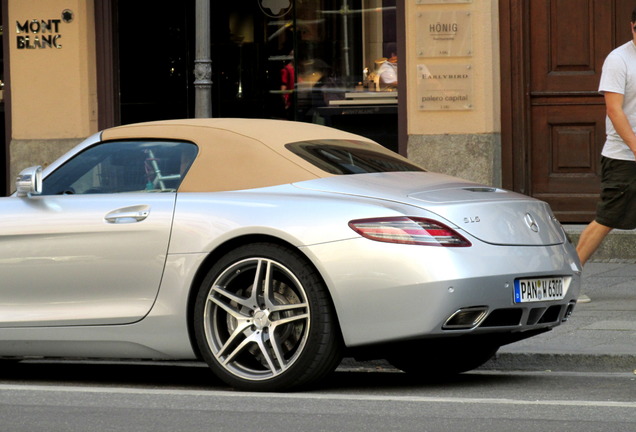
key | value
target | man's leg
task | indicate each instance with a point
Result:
(590, 240)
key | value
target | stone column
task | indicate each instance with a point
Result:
(202, 62)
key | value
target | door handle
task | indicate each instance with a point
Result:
(128, 215)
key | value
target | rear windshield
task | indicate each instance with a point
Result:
(350, 157)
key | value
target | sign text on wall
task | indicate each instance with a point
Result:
(444, 87)
(38, 34)
(444, 34)
(41, 33)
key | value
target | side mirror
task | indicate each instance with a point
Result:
(29, 182)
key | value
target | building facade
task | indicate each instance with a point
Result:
(500, 92)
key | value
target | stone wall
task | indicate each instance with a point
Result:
(475, 157)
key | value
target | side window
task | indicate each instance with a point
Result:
(123, 166)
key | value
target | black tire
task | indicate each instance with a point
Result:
(440, 360)
(280, 336)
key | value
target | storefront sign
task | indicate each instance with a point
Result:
(41, 33)
(444, 87)
(444, 34)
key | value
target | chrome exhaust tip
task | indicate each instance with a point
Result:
(466, 318)
(568, 311)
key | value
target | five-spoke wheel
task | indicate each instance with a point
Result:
(264, 321)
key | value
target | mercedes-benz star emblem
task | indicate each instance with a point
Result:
(532, 224)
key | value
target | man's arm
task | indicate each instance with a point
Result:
(614, 106)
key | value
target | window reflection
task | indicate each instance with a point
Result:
(338, 52)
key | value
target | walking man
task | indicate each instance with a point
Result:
(617, 206)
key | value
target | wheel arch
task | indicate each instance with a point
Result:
(225, 248)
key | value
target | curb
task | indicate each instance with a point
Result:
(533, 362)
(525, 362)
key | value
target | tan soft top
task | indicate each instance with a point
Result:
(236, 154)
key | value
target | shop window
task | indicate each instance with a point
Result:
(337, 65)
(156, 61)
(316, 61)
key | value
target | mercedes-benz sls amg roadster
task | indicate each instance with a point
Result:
(271, 249)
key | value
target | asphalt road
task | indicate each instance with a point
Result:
(99, 397)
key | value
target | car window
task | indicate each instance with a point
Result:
(123, 166)
(349, 157)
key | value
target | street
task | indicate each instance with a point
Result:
(109, 396)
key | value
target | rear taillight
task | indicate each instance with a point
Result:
(409, 230)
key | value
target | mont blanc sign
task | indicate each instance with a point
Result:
(41, 33)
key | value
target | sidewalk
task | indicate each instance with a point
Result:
(600, 335)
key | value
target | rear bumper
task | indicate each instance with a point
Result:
(388, 292)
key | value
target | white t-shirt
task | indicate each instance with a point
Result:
(388, 74)
(619, 76)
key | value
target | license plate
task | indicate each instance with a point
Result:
(540, 289)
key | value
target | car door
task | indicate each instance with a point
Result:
(91, 249)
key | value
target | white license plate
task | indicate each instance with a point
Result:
(540, 289)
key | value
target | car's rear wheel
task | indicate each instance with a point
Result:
(264, 321)
(437, 360)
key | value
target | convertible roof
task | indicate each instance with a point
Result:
(236, 154)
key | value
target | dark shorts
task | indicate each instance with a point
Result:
(617, 207)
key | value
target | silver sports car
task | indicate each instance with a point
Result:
(270, 250)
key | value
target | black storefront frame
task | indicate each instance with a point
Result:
(5, 183)
(107, 63)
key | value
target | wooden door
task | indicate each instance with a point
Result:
(553, 133)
